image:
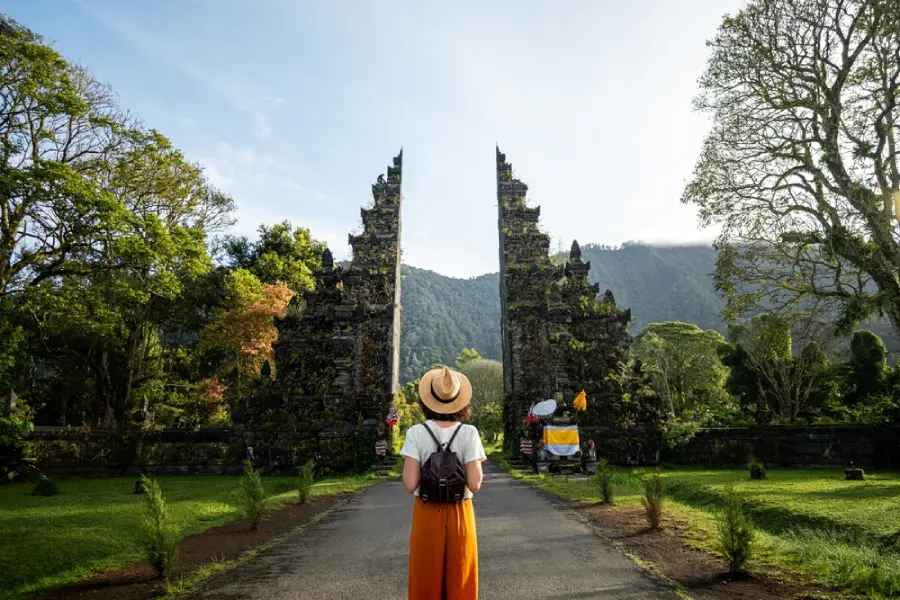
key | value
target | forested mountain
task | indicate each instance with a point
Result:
(441, 315)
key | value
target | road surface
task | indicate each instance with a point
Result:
(528, 549)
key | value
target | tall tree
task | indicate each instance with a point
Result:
(58, 131)
(867, 370)
(486, 377)
(245, 329)
(281, 253)
(684, 364)
(777, 383)
(108, 318)
(802, 160)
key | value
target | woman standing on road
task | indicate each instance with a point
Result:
(443, 548)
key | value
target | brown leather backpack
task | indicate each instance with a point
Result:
(443, 477)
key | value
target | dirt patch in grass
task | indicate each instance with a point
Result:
(138, 581)
(701, 575)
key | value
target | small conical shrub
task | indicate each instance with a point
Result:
(44, 487)
(604, 481)
(653, 498)
(252, 496)
(305, 480)
(736, 532)
(757, 469)
(160, 535)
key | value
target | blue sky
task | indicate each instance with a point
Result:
(296, 107)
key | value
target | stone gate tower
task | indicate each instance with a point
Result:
(337, 354)
(559, 335)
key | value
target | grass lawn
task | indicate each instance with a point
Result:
(811, 522)
(94, 524)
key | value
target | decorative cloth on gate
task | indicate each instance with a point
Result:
(393, 417)
(381, 448)
(561, 440)
(525, 446)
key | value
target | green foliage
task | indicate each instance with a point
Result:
(15, 455)
(442, 315)
(252, 496)
(409, 412)
(735, 532)
(653, 499)
(486, 377)
(757, 469)
(305, 480)
(773, 383)
(678, 432)
(467, 355)
(282, 253)
(811, 522)
(810, 228)
(53, 203)
(45, 487)
(161, 536)
(604, 481)
(686, 370)
(48, 555)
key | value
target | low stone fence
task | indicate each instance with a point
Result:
(80, 452)
(99, 452)
(868, 446)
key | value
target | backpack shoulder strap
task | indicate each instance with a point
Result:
(434, 437)
(453, 437)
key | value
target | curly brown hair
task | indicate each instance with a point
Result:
(460, 415)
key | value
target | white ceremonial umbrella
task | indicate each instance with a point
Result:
(544, 409)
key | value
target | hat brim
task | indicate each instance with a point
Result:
(445, 408)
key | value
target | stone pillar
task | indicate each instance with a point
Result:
(526, 277)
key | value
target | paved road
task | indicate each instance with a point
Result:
(528, 549)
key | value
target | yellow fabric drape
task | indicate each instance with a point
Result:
(561, 437)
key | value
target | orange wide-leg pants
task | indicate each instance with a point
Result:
(443, 552)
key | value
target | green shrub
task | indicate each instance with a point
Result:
(652, 499)
(160, 534)
(604, 480)
(252, 496)
(757, 469)
(305, 480)
(15, 455)
(44, 487)
(736, 532)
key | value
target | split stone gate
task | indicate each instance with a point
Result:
(336, 370)
(337, 354)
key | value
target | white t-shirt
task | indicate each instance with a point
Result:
(420, 446)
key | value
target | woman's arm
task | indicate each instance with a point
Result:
(474, 476)
(411, 474)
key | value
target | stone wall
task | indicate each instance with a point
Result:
(111, 452)
(99, 452)
(876, 447)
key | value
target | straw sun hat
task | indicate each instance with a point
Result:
(445, 391)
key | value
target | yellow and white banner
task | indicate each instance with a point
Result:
(561, 440)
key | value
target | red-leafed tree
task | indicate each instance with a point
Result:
(245, 330)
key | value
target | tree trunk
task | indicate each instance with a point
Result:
(894, 316)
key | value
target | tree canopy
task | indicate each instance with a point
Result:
(801, 164)
(687, 373)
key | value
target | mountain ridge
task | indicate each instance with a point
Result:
(441, 314)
